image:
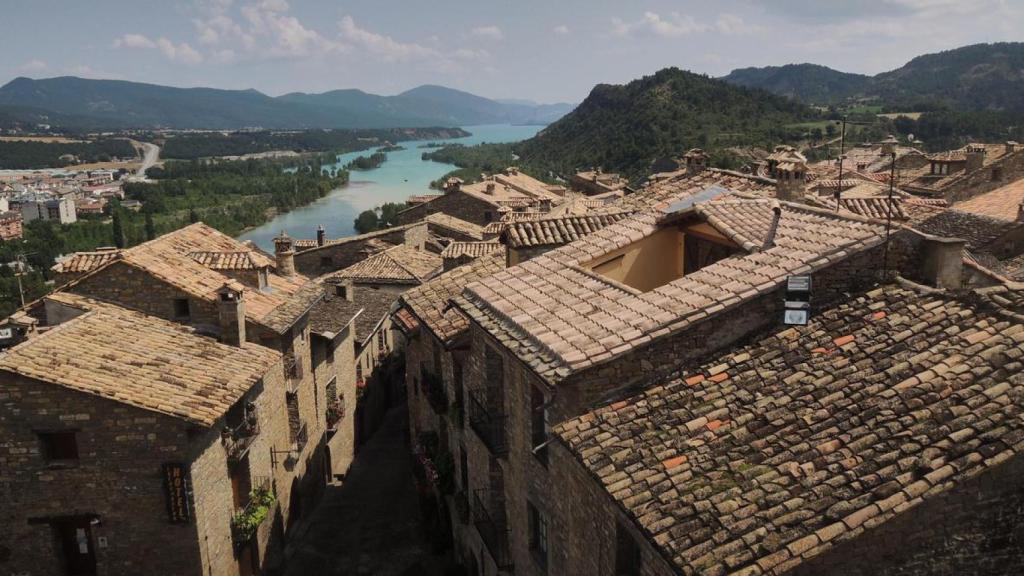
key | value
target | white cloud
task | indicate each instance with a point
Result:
(33, 66)
(179, 52)
(735, 25)
(488, 32)
(380, 45)
(134, 41)
(561, 29)
(674, 26)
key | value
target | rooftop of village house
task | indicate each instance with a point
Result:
(585, 303)
(367, 307)
(304, 245)
(557, 230)
(126, 356)
(926, 178)
(1003, 203)
(470, 249)
(446, 222)
(170, 259)
(430, 302)
(979, 231)
(769, 454)
(402, 264)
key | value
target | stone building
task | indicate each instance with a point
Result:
(10, 225)
(596, 181)
(625, 306)
(456, 254)
(180, 277)
(321, 256)
(884, 437)
(961, 174)
(394, 270)
(485, 201)
(136, 445)
(530, 238)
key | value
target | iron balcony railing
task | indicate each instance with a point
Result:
(487, 422)
(238, 439)
(301, 438)
(490, 524)
(292, 372)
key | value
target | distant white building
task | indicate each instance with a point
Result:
(61, 210)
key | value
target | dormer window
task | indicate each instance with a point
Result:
(182, 310)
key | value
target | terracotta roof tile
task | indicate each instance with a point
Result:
(556, 231)
(819, 430)
(140, 360)
(444, 222)
(1003, 203)
(470, 249)
(402, 264)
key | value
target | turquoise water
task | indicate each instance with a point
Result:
(402, 175)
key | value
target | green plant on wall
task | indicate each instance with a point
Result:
(246, 521)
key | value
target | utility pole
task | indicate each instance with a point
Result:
(888, 217)
(842, 160)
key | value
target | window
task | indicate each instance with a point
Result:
(538, 425)
(359, 370)
(380, 341)
(997, 174)
(463, 469)
(627, 553)
(326, 262)
(59, 446)
(181, 308)
(341, 291)
(538, 534)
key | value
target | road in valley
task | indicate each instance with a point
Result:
(150, 155)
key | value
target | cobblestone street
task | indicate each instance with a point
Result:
(372, 523)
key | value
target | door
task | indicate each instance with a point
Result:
(76, 543)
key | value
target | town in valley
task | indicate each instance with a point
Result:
(668, 316)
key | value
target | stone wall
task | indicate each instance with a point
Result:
(458, 204)
(134, 288)
(339, 255)
(339, 364)
(118, 477)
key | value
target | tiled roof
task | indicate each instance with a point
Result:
(470, 249)
(167, 258)
(561, 318)
(446, 222)
(85, 261)
(430, 301)
(140, 360)
(1003, 203)
(235, 260)
(303, 246)
(978, 231)
(684, 183)
(421, 198)
(767, 456)
(402, 264)
(368, 307)
(877, 208)
(549, 231)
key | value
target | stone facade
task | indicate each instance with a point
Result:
(117, 482)
(340, 254)
(455, 203)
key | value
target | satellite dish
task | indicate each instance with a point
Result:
(910, 137)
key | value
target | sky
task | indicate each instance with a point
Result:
(543, 50)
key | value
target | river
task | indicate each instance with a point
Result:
(404, 174)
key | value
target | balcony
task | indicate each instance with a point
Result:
(292, 372)
(433, 389)
(487, 421)
(247, 520)
(490, 523)
(301, 438)
(237, 439)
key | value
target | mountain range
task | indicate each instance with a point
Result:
(88, 104)
(979, 77)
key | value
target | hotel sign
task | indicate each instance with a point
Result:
(176, 491)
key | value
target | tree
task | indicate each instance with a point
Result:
(150, 227)
(120, 240)
(367, 221)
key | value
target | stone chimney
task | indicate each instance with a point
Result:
(231, 313)
(943, 265)
(790, 183)
(696, 161)
(452, 184)
(889, 145)
(1011, 146)
(975, 157)
(489, 188)
(321, 236)
(1020, 212)
(284, 251)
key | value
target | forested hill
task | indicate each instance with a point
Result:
(809, 83)
(980, 77)
(624, 128)
(78, 103)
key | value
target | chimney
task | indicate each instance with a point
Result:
(231, 313)
(696, 161)
(943, 264)
(321, 235)
(1020, 212)
(345, 289)
(975, 158)
(453, 184)
(889, 145)
(284, 251)
(1011, 146)
(789, 181)
(769, 240)
(489, 188)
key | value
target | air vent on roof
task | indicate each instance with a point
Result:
(709, 193)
